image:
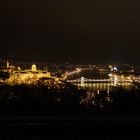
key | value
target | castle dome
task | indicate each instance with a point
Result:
(33, 68)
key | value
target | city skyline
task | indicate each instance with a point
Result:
(69, 69)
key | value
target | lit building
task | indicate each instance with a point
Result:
(27, 76)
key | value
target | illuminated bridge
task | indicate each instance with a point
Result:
(86, 80)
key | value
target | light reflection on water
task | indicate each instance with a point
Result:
(103, 86)
(100, 94)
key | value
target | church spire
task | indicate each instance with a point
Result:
(7, 64)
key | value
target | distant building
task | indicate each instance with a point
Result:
(28, 76)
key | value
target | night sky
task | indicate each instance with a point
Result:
(75, 31)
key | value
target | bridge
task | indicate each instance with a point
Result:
(83, 80)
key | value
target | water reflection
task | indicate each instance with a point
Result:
(103, 86)
(103, 95)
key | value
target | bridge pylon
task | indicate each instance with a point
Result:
(82, 81)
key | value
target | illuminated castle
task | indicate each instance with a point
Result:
(28, 76)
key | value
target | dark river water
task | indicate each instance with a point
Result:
(103, 86)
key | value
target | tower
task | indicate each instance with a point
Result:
(7, 64)
(82, 81)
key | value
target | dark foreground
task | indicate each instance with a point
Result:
(30, 113)
(69, 127)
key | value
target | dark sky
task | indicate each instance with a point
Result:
(93, 31)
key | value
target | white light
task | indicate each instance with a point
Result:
(110, 75)
(115, 69)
